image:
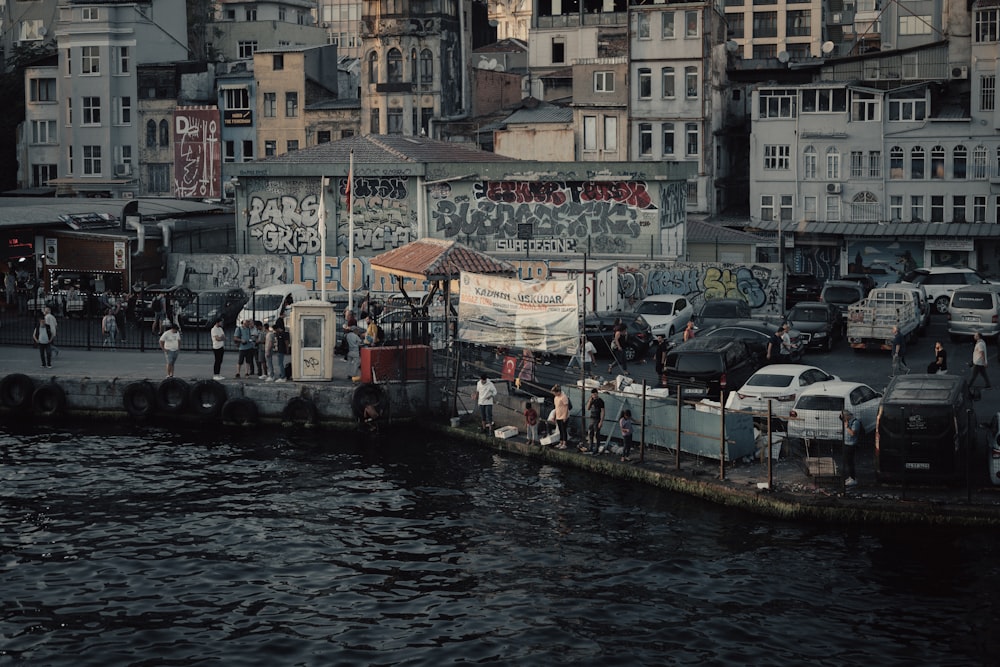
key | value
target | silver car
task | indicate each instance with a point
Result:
(974, 309)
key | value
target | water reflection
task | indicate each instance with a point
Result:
(129, 546)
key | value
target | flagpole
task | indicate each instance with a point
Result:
(322, 237)
(350, 234)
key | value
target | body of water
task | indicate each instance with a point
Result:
(122, 545)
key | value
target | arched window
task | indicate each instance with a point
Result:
(917, 158)
(373, 67)
(979, 162)
(937, 162)
(896, 169)
(426, 69)
(810, 162)
(415, 71)
(394, 69)
(151, 135)
(164, 134)
(832, 163)
(959, 162)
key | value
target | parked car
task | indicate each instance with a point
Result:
(816, 414)
(755, 333)
(940, 281)
(599, 330)
(820, 324)
(176, 295)
(801, 287)
(843, 294)
(778, 383)
(720, 311)
(666, 313)
(210, 304)
(923, 305)
(974, 309)
(865, 280)
(710, 365)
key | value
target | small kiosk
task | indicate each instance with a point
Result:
(313, 328)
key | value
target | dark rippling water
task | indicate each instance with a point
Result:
(123, 546)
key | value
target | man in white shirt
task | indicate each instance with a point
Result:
(218, 335)
(50, 319)
(170, 343)
(485, 392)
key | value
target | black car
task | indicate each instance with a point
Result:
(755, 333)
(208, 305)
(843, 293)
(599, 328)
(720, 311)
(864, 279)
(801, 287)
(819, 324)
(176, 295)
(710, 365)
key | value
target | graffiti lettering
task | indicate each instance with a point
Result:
(579, 220)
(631, 193)
(285, 211)
(757, 285)
(518, 192)
(287, 240)
(539, 245)
(385, 188)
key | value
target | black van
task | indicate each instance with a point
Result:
(922, 430)
(709, 365)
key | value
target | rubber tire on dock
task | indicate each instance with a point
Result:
(16, 390)
(49, 400)
(369, 394)
(172, 396)
(299, 411)
(139, 399)
(207, 397)
(240, 411)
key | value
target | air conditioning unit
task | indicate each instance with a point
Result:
(123, 169)
(960, 71)
(837, 18)
(833, 188)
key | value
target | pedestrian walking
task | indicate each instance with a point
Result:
(218, 335)
(595, 405)
(561, 401)
(852, 429)
(485, 392)
(979, 361)
(282, 346)
(109, 327)
(689, 331)
(263, 329)
(940, 363)
(898, 352)
(625, 425)
(353, 354)
(170, 343)
(42, 335)
(531, 422)
(50, 319)
(618, 343)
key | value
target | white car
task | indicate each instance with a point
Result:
(940, 281)
(666, 314)
(780, 384)
(816, 413)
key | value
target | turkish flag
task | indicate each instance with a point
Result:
(509, 368)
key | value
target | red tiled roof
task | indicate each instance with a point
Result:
(437, 259)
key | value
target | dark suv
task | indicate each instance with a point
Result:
(211, 304)
(801, 287)
(599, 328)
(720, 311)
(708, 366)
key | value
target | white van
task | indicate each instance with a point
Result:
(265, 305)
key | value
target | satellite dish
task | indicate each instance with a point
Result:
(783, 57)
(827, 48)
(732, 46)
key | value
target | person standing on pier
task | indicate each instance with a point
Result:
(596, 407)
(561, 401)
(486, 391)
(353, 341)
(42, 335)
(218, 335)
(625, 424)
(170, 343)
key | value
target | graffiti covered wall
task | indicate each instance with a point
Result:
(197, 152)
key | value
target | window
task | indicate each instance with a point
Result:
(43, 173)
(236, 99)
(291, 145)
(590, 133)
(988, 92)
(832, 208)
(987, 25)
(907, 110)
(270, 105)
(160, 177)
(270, 148)
(246, 48)
(865, 208)
(69, 110)
(123, 156)
(874, 164)
(394, 66)
(90, 60)
(690, 24)
(691, 82)
(766, 207)
(824, 100)
(69, 160)
(809, 204)
(799, 23)
(958, 208)
(917, 158)
(282, 14)
(90, 14)
(937, 162)
(394, 118)
(164, 134)
(43, 90)
(376, 121)
(832, 164)
(896, 208)
(642, 27)
(229, 151)
(248, 150)
(691, 131)
(765, 24)
(123, 111)
(917, 208)
(864, 106)
(122, 62)
(765, 51)
(645, 139)
(776, 103)
(857, 164)
(426, 69)
(786, 207)
(291, 104)
(959, 160)
(910, 24)
(736, 25)
(604, 82)
(91, 160)
(667, 82)
(372, 67)
(776, 156)
(250, 14)
(979, 208)
(558, 51)
(610, 133)
(979, 163)
(667, 25)
(151, 133)
(324, 137)
(668, 139)
(937, 208)
(278, 61)
(645, 83)
(91, 110)
(43, 132)
(895, 163)
(69, 62)
(809, 163)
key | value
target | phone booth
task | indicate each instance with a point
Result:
(313, 329)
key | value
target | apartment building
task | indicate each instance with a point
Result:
(241, 28)
(762, 29)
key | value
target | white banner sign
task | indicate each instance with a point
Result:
(506, 312)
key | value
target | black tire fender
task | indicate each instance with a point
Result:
(206, 399)
(240, 411)
(49, 400)
(139, 399)
(369, 394)
(16, 391)
(172, 395)
(299, 410)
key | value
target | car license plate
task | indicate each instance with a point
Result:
(917, 466)
(970, 318)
